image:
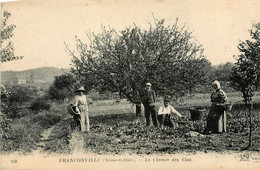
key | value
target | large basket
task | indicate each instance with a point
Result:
(197, 113)
(72, 110)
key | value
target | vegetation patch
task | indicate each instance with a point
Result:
(58, 141)
(23, 134)
(40, 104)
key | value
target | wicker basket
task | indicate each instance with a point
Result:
(197, 113)
(72, 110)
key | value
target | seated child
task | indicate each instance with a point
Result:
(164, 112)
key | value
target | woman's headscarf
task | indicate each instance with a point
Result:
(217, 83)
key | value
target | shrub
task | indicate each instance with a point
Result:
(40, 104)
(57, 94)
(62, 87)
(20, 94)
(13, 110)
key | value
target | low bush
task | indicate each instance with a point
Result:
(40, 104)
(14, 110)
(57, 94)
(20, 94)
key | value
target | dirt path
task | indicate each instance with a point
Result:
(76, 142)
(45, 137)
(76, 139)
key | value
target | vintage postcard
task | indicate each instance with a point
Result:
(130, 84)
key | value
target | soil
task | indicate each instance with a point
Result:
(127, 134)
(119, 134)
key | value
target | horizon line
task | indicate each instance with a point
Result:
(38, 68)
(213, 65)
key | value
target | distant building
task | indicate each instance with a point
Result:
(22, 81)
(18, 81)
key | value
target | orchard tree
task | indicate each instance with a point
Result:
(7, 52)
(245, 75)
(124, 61)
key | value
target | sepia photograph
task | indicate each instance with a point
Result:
(130, 84)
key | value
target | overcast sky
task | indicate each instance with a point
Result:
(42, 26)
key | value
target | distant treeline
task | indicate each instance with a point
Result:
(44, 76)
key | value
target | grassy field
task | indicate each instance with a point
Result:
(116, 130)
(107, 107)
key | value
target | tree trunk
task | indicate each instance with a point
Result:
(138, 110)
(250, 125)
(120, 94)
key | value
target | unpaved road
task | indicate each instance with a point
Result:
(76, 142)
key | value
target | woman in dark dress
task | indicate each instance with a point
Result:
(216, 120)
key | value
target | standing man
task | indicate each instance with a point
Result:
(148, 100)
